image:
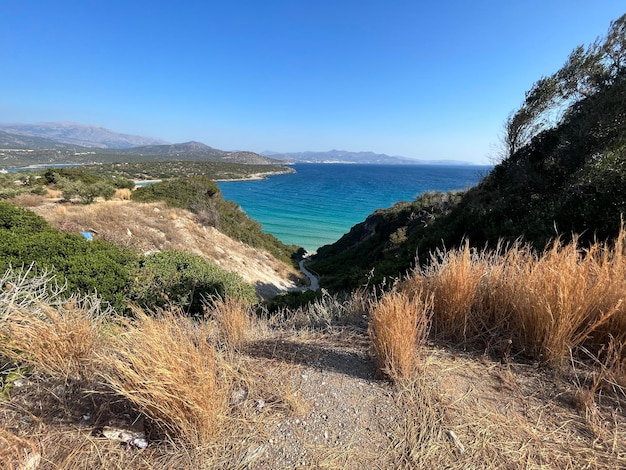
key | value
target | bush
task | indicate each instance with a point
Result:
(76, 182)
(21, 221)
(183, 280)
(85, 266)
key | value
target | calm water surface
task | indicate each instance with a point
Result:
(321, 202)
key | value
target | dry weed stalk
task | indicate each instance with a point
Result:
(164, 364)
(398, 325)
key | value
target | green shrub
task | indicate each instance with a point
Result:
(86, 266)
(21, 221)
(184, 280)
(76, 182)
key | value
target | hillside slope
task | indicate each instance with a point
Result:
(567, 178)
(155, 227)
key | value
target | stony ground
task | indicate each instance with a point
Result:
(464, 410)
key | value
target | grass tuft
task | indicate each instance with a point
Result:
(164, 364)
(543, 305)
(398, 325)
(232, 319)
(37, 327)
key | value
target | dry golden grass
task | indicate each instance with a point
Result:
(17, 453)
(54, 193)
(233, 321)
(123, 194)
(164, 364)
(417, 439)
(453, 279)
(543, 305)
(27, 200)
(60, 211)
(398, 325)
(562, 297)
(57, 340)
(462, 413)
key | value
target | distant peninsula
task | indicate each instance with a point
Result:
(343, 156)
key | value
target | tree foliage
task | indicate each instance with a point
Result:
(587, 71)
(565, 174)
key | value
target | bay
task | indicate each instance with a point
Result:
(320, 202)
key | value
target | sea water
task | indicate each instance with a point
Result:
(320, 202)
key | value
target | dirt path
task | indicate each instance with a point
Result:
(314, 283)
(342, 403)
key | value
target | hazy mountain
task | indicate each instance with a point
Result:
(16, 141)
(343, 156)
(197, 151)
(23, 144)
(80, 134)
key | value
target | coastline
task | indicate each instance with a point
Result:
(255, 176)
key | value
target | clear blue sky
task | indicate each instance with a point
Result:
(430, 80)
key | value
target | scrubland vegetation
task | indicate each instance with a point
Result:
(116, 274)
(204, 390)
(502, 347)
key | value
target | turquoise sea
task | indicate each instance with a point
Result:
(321, 202)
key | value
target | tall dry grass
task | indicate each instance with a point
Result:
(453, 279)
(59, 341)
(164, 364)
(545, 305)
(37, 326)
(123, 194)
(560, 299)
(232, 319)
(398, 326)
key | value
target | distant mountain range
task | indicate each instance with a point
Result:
(80, 134)
(343, 156)
(65, 142)
(68, 142)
